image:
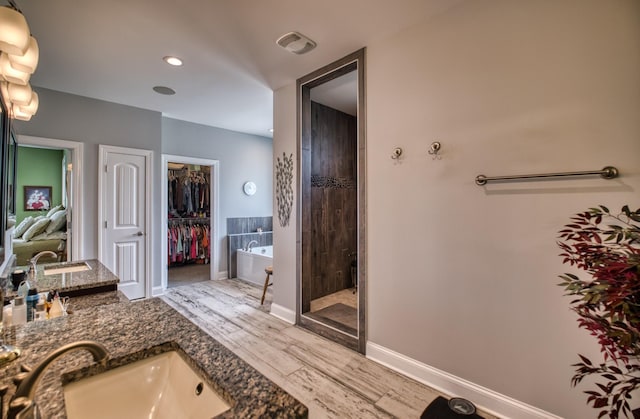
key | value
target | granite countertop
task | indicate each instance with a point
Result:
(134, 330)
(89, 281)
(92, 301)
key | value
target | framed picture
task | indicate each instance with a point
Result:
(37, 198)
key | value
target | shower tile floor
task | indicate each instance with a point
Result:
(346, 297)
(331, 380)
(338, 310)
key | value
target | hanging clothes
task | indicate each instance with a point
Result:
(189, 192)
(188, 242)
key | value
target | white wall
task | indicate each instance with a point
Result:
(284, 238)
(463, 278)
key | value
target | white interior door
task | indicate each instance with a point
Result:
(124, 213)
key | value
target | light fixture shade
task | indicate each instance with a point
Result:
(32, 107)
(17, 113)
(20, 94)
(29, 61)
(10, 74)
(4, 89)
(14, 31)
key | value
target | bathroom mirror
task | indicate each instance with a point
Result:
(4, 135)
(331, 178)
(7, 180)
(12, 154)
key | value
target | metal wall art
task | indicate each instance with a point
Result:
(284, 188)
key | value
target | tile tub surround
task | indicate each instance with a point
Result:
(135, 330)
(240, 231)
(70, 283)
(243, 225)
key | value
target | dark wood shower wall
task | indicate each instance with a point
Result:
(333, 200)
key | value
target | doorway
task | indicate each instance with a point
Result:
(71, 184)
(189, 220)
(331, 175)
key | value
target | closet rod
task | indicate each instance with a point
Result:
(608, 172)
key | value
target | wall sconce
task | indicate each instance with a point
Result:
(29, 61)
(19, 56)
(435, 149)
(10, 74)
(14, 31)
(19, 94)
(24, 113)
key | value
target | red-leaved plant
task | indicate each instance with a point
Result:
(607, 247)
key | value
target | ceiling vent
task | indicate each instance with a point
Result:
(296, 42)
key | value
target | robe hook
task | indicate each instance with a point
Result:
(435, 149)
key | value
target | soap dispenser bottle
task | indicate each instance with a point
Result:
(23, 289)
(19, 311)
(56, 309)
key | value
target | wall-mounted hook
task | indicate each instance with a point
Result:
(397, 152)
(435, 149)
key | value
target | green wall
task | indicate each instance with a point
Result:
(38, 167)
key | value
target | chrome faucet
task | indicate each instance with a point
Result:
(22, 404)
(33, 269)
(248, 248)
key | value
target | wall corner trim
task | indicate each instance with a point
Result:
(283, 313)
(157, 291)
(222, 275)
(485, 399)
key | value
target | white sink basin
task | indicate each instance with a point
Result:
(67, 267)
(163, 386)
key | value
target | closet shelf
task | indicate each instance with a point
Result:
(180, 219)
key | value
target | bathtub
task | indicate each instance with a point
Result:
(250, 265)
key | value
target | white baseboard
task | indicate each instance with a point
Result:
(485, 399)
(222, 275)
(157, 291)
(283, 313)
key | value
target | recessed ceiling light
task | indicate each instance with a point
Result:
(164, 90)
(175, 61)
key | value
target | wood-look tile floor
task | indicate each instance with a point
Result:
(332, 381)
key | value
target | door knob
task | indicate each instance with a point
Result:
(139, 233)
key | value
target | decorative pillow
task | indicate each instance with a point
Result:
(23, 226)
(37, 228)
(58, 220)
(54, 210)
(56, 235)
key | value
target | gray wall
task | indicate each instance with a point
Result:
(64, 116)
(242, 157)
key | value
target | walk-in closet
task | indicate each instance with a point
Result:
(189, 243)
